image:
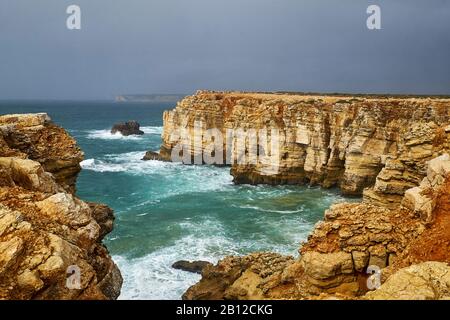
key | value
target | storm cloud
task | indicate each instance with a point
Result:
(179, 46)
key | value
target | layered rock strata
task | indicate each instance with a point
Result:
(50, 241)
(379, 147)
(351, 142)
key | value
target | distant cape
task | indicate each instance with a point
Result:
(150, 97)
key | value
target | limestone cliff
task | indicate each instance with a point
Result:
(391, 150)
(351, 142)
(50, 241)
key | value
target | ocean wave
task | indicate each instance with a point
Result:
(298, 210)
(107, 135)
(152, 277)
(152, 130)
(189, 178)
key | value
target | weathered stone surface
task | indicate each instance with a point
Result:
(420, 200)
(44, 228)
(35, 137)
(425, 281)
(127, 128)
(247, 277)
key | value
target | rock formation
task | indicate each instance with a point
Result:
(327, 140)
(127, 128)
(409, 245)
(194, 266)
(50, 241)
(151, 155)
(390, 150)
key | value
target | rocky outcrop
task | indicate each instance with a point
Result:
(34, 137)
(151, 155)
(127, 128)
(425, 281)
(194, 266)
(379, 143)
(239, 277)
(407, 247)
(50, 241)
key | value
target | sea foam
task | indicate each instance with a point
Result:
(107, 135)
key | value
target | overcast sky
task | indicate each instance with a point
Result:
(179, 46)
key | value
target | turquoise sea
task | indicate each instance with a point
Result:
(167, 212)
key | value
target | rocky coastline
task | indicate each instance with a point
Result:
(393, 151)
(50, 240)
(394, 244)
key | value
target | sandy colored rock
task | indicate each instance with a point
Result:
(379, 143)
(45, 230)
(425, 281)
(352, 238)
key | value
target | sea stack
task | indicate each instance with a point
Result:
(127, 128)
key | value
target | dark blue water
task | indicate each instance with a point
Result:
(167, 212)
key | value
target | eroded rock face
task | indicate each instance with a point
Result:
(354, 237)
(353, 143)
(46, 232)
(425, 281)
(35, 137)
(127, 128)
(238, 277)
(191, 266)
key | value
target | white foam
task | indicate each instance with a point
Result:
(107, 135)
(300, 209)
(190, 178)
(152, 277)
(152, 130)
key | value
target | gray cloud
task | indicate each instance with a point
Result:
(141, 46)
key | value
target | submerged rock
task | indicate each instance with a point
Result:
(194, 266)
(127, 128)
(151, 155)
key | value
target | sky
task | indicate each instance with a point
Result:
(179, 46)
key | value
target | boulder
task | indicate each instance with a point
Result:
(127, 128)
(151, 155)
(194, 266)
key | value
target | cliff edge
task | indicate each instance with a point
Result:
(50, 240)
(391, 150)
(376, 146)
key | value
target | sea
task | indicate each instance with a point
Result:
(167, 212)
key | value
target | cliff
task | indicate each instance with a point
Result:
(391, 150)
(407, 247)
(350, 142)
(50, 241)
